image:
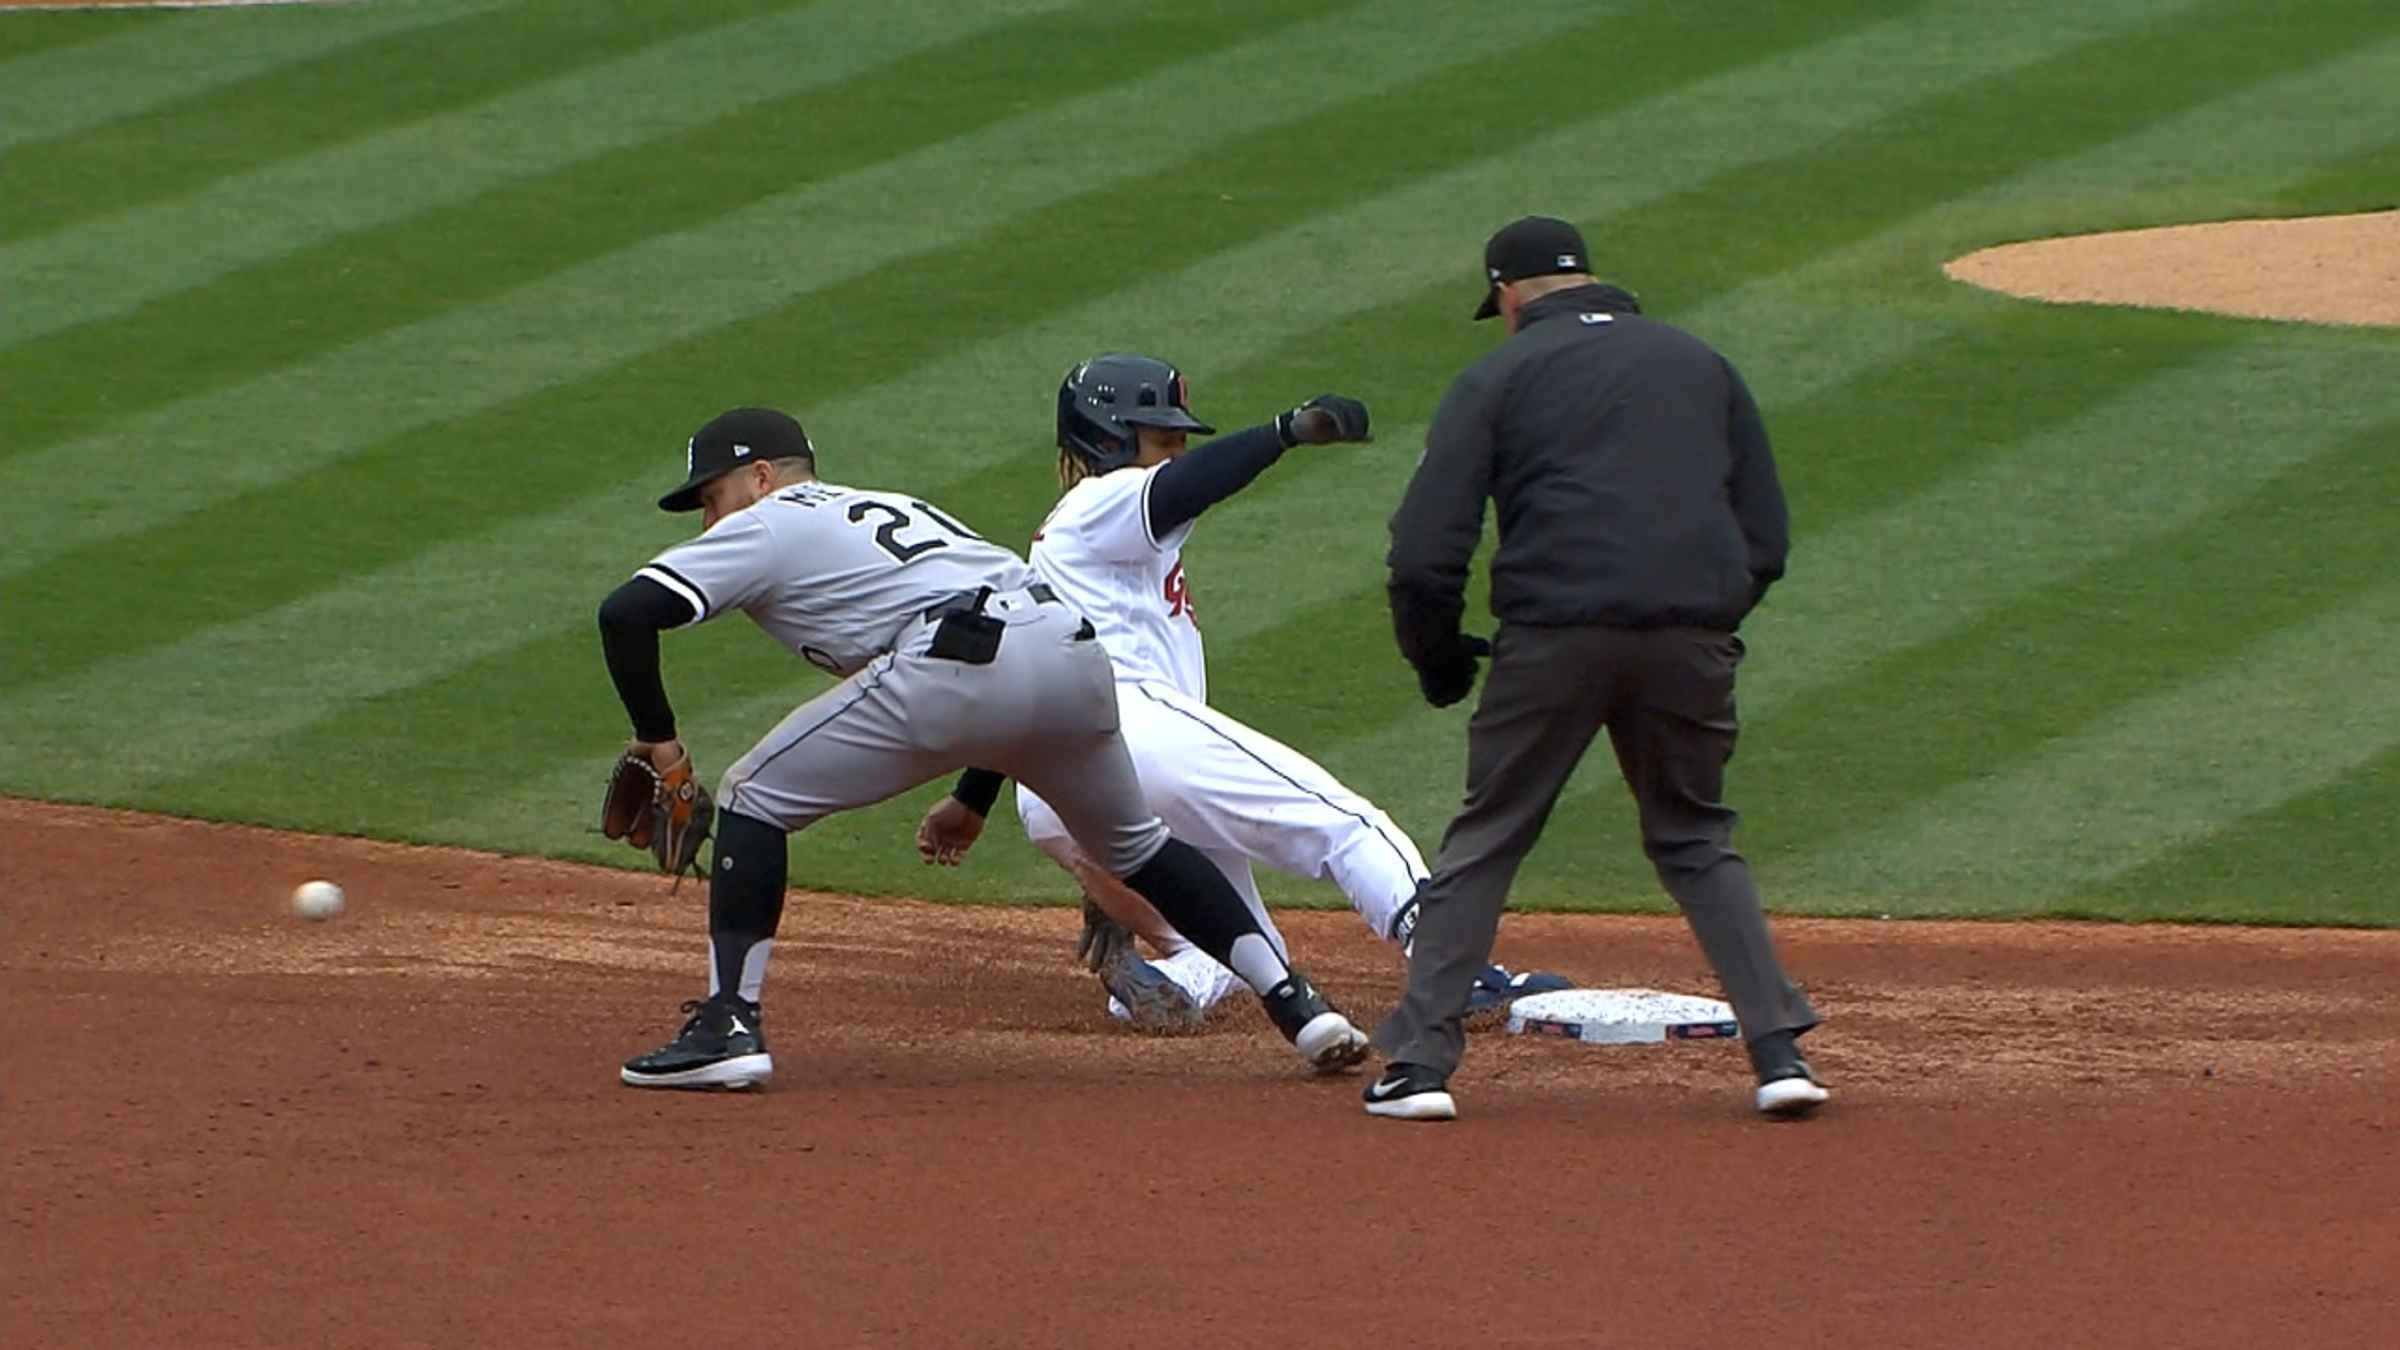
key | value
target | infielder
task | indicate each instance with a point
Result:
(952, 652)
(1112, 548)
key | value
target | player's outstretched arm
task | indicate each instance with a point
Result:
(1200, 479)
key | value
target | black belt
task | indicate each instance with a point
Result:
(971, 602)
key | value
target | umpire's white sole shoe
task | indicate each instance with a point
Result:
(1408, 1092)
(732, 1075)
(1791, 1098)
(1329, 1043)
(1417, 1106)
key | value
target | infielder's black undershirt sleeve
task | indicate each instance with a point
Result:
(631, 619)
(978, 789)
(1200, 478)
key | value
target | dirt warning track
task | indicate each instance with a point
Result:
(226, 1127)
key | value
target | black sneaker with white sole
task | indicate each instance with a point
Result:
(1322, 1035)
(1787, 1087)
(1411, 1092)
(723, 1044)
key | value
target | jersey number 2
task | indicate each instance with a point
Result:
(887, 535)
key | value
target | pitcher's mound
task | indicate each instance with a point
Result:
(2321, 269)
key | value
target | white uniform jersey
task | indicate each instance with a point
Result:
(833, 573)
(1097, 552)
(1233, 793)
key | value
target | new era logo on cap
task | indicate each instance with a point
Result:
(728, 441)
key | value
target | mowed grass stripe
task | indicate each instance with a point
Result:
(300, 105)
(2297, 711)
(2060, 660)
(409, 271)
(445, 476)
(2015, 357)
(2163, 453)
(432, 483)
(302, 233)
(1968, 375)
(124, 64)
(1864, 592)
(344, 733)
(1845, 347)
(2362, 180)
(2331, 843)
(1841, 332)
(681, 285)
(1899, 87)
(1230, 318)
(33, 32)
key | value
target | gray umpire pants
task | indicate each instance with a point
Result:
(1043, 710)
(1666, 697)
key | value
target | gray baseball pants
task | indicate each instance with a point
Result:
(1666, 698)
(1043, 711)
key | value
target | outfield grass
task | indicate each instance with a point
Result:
(342, 349)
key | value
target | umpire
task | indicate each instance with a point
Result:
(1640, 521)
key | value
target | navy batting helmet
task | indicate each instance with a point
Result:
(1104, 399)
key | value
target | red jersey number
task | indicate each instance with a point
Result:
(1179, 596)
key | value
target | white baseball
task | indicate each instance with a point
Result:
(316, 900)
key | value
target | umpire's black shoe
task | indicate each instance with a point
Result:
(1787, 1087)
(1323, 1037)
(723, 1044)
(1411, 1092)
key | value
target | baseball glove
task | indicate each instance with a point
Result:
(1102, 938)
(664, 811)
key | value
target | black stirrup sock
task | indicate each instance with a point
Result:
(1196, 900)
(745, 903)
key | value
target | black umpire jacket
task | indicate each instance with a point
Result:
(1632, 473)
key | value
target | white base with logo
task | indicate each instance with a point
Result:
(1622, 1017)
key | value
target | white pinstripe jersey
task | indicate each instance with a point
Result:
(834, 573)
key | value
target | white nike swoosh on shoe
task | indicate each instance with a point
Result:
(1383, 1088)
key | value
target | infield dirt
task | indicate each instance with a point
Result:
(2318, 269)
(227, 1127)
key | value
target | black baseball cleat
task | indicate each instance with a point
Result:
(1323, 1037)
(1411, 1092)
(723, 1044)
(1787, 1088)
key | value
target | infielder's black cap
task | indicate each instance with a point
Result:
(731, 440)
(1531, 246)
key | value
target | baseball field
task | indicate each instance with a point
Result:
(344, 348)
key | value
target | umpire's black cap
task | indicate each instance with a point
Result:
(1530, 246)
(731, 440)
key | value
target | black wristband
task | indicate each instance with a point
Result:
(977, 789)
